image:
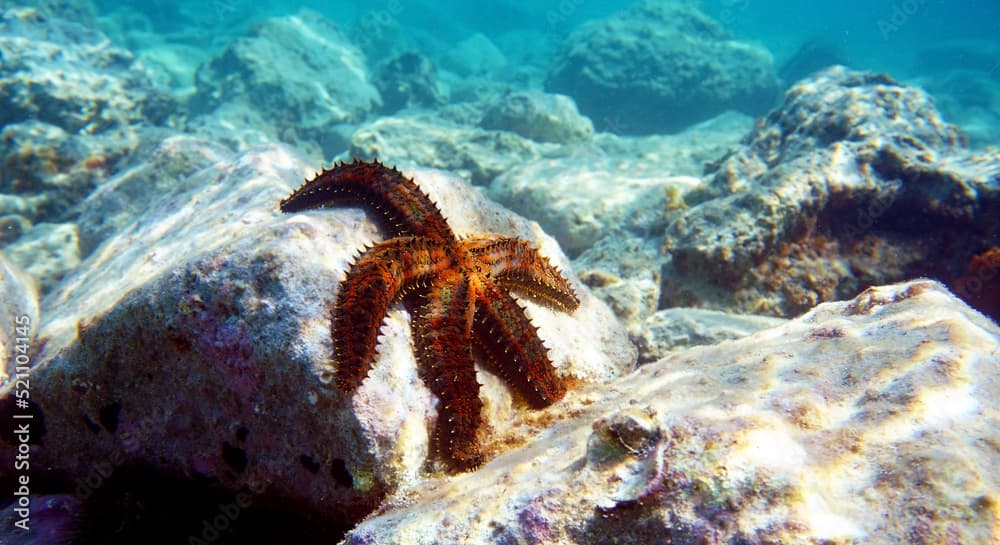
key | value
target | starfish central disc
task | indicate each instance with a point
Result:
(458, 290)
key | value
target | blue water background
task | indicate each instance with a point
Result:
(885, 35)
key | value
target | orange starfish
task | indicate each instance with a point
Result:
(462, 300)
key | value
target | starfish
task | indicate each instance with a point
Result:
(458, 292)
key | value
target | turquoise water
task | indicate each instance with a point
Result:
(923, 42)
(881, 35)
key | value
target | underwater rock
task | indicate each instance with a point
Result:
(47, 252)
(864, 421)
(240, 129)
(72, 108)
(678, 328)
(298, 74)
(580, 202)
(474, 56)
(168, 171)
(62, 73)
(980, 286)
(52, 168)
(853, 181)
(19, 305)
(606, 200)
(434, 140)
(623, 270)
(380, 34)
(542, 117)
(204, 351)
(408, 80)
(81, 11)
(658, 67)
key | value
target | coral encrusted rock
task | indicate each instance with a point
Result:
(853, 181)
(872, 421)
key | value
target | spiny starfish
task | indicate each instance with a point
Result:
(458, 292)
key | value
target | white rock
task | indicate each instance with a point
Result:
(197, 341)
(868, 421)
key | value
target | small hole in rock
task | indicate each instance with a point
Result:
(242, 433)
(108, 415)
(308, 463)
(340, 473)
(235, 457)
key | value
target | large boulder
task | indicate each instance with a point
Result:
(292, 77)
(853, 181)
(659, 67)
(203, 353)
(871, 421)
(408, 80)
(542, 117)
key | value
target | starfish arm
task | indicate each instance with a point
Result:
(464, 285)
(515, 264)
(379, 277)
(403, 208)
(513, 348)
(442, 335)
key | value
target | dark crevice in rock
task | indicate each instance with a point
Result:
(338, 468)
(139, 504)
(307, 462)
(108, 415)
(234, 457)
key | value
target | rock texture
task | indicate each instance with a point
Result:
(608, 202)
(444, 140)
(292, 77)
(853, 181)
(869, 421)
(203, 352)
(659, 67)
(48, 252)
(72, 107)
(580, 202)
(168, 171)
(681, 328)
(408, 80)
(542, 117)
